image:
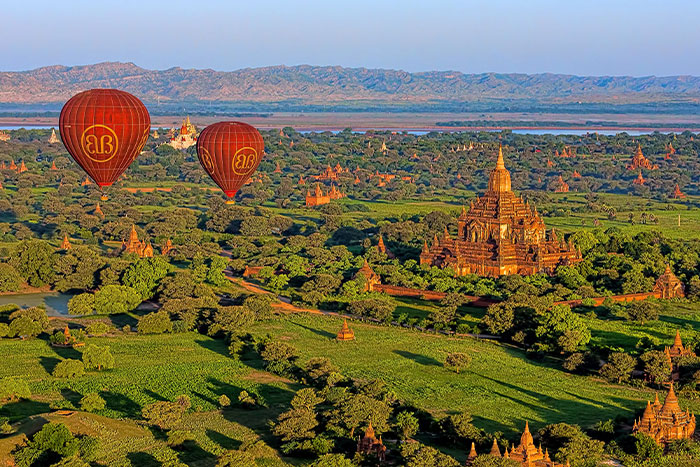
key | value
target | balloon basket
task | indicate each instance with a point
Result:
(230, 201)
(104, 197)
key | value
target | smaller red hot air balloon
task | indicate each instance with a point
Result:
(230, 152)
(104, 130)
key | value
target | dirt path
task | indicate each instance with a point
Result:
(281, 304)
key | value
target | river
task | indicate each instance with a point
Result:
(56, 304)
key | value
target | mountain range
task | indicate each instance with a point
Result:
(335, 85)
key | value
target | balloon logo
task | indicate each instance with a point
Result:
(245, 161)
(99, 142)
(104, 130)
(230, 152)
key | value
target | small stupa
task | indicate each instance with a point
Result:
(345, 333)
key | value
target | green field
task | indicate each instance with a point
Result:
(148, 369)
(501, 388)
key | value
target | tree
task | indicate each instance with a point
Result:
(157, 322)
(656, 365)
(96, 357)
(619, 367)
(457, 361)
(644, 311)
(35, 261)
(13, 388)
(574, 361)
(231, 319)
(318, 369)
(82, 304)
(165, 414)
(406, 424)
(10, 279)
(278, 356)
(299, 422)
(419, 455)
(113, 299)
(381, 310)
(460, 427)
(53, 438)
(144, 275)
(561, 329)
(69, 368)
(92, 402)
(499, 318)
(260, 305)
(215, 273)
(24, 327)
(77, 269)
(360, 409)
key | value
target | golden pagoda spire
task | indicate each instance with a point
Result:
(495, 451)
(499, 163)
(472, 452)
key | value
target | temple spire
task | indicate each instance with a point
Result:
(499, 163)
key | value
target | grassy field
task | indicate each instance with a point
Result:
(501, 388)
(148, 369)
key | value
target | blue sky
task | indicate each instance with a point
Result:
(614, 37)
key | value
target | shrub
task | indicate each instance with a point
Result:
(113, 299)
(457, 361)
(224, 401)
(98, 328)
(155, 323)
(69, 368)
(13, 388)
(92, 402)
(97, 358)
(373, 308)
(164, 414)
(82, 304)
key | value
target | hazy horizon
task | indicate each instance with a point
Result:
(595, 38)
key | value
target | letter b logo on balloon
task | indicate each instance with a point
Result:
(99, 142)
(244, 161)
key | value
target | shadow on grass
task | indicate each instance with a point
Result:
(420, 359)
(223, 440)
(320, 332)
(23, 409)
(71, 396)
(142, 459)
(218, 346)
(190, 452)
(154, 395)
(49, 363)
(67, 352)
(122, 404)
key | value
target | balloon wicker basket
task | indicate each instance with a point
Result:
(104, 197)
(230, 201)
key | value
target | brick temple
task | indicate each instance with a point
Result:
(500, 234)
(667, 422)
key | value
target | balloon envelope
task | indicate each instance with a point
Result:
(230, 152)
(104, 130)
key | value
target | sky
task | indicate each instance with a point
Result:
(613, 37)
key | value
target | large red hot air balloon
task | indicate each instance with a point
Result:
(230, 152)
(104, 130)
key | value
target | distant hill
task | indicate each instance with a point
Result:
(330, 86)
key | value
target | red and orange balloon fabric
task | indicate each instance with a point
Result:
(104, 130)
(230, 152)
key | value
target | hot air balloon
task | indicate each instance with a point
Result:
(104, 130)
(230, 152)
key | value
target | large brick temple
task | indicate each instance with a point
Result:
(500, 234)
